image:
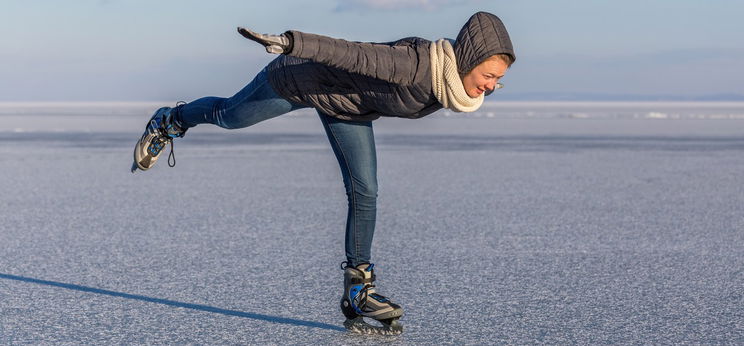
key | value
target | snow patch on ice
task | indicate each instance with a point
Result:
(657, 115)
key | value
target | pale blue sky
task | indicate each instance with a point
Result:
(117, 50)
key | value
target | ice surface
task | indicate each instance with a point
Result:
(490, 230)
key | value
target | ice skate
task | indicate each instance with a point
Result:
(361, 301)
(159, 132)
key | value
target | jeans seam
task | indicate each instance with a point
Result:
(353, 196)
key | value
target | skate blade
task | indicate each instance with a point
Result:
(359, 326)
(134, 167)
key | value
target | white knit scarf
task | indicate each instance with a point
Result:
(446, 82)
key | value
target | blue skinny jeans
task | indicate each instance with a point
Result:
(352, 142)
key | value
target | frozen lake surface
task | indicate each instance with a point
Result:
(590, 223)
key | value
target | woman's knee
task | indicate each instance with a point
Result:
(362, 190)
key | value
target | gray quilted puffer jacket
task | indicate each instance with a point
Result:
(363, 81)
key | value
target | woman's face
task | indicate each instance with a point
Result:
(484, 77)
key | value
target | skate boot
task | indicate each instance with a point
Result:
(159, 132)
(360, 300)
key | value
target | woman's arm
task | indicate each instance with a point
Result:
(394, 64)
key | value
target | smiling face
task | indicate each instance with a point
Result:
(484, 76)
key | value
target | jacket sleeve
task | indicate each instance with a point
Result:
(394, 64)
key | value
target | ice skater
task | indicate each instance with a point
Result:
(350, 84)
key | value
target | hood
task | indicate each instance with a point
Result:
(482, 36)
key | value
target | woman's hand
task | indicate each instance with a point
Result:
(275, 44)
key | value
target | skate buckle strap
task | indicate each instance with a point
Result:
(363, 281)
(355, 280)
(379, 298)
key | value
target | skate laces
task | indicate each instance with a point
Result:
(364, 294)
(161, 139)
(360, 298)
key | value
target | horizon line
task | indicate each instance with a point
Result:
(506, 100)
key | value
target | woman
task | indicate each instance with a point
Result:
(350, 84)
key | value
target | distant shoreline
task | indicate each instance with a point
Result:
(16, 112)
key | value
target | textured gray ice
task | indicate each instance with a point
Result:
(490, 231)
